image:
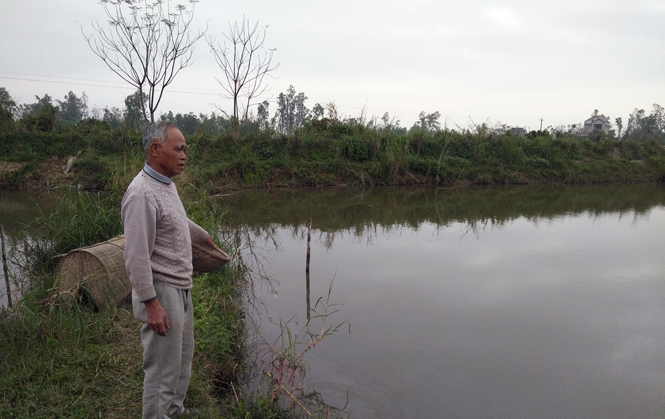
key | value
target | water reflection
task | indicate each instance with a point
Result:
(356, 210)
(501, 303)
(17, 210)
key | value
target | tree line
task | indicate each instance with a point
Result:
(291, 114)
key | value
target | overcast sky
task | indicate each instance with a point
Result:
(513, 62)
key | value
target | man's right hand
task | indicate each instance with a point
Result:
(157, 319)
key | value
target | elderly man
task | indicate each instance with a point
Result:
(158, 257)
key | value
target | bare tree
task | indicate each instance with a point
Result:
(245, 63)
(146, 44)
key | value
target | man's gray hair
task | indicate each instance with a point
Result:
(156, 132)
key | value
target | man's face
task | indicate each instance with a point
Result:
(169, 157)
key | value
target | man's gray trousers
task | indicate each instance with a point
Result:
(167, 360)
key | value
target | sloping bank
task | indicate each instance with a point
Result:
(64, 360)
(331, 154)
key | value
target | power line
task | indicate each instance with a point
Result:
(171, 90)
(95, 80)
(58, 77)
(64, 82)
(121, 85)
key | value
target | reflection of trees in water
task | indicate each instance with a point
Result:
(364, 213)
(357, 210)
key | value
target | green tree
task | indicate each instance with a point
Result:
(263, 113)
(146, 45)
(7, 109)
(427, 122)
(213, 124)
(187, 123)
(291, 111)
(41, 115)
(113, 116)
(73, 108)
(7, 102)
(134, 116)
(658, 115)
(318, 111)
(642, 127)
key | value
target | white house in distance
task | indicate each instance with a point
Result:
(597, 123)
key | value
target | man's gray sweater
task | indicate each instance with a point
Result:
(158, 235)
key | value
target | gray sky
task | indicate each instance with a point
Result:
(509, 61)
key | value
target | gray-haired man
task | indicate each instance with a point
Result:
(158, 258)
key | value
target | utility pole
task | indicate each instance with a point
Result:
(541, 124)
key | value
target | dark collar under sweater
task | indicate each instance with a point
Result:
(156, 175)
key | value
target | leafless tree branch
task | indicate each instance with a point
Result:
(245, 62)
(146, 44)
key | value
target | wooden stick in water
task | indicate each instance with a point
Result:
(309, 240)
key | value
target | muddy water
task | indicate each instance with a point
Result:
(544, 302)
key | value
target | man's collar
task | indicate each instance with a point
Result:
(156, 175)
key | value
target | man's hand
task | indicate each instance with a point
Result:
(210, 243)
(157, 319)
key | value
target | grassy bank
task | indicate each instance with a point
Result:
(64, 360)
(333, 154)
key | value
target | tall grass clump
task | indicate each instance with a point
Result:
(81, 219)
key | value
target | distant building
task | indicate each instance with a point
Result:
(597, 123)
(518, 131)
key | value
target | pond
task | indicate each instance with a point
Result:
(515, 302)
(501, 302)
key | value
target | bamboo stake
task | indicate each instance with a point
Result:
(4, 266)
(309, 240)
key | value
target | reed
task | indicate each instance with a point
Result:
(283, 364)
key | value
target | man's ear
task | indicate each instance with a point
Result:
(153, 149)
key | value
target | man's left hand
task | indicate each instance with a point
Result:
(210, 243)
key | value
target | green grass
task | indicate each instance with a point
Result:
(343, 154)
(69, 362)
